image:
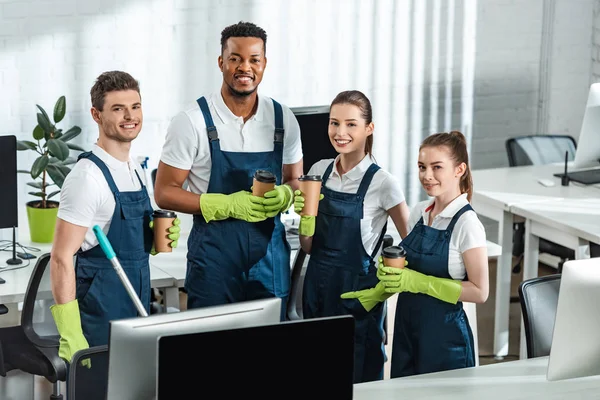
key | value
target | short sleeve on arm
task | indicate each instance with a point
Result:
(181, 143)
(292, 144)
(472, 233)
(80, 199)
(391, 192)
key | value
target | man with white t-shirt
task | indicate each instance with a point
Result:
(104, 188)
(237, 248)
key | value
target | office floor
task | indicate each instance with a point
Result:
(485, 319)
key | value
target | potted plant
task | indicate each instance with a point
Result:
(49, 169)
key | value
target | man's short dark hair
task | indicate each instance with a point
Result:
(243, 29)
(111, 81)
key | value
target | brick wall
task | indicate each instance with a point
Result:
(493, 68)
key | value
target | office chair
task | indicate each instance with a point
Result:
(538, 150)
(89, 383)
(539, 300)
(153, 175)
(32, 346)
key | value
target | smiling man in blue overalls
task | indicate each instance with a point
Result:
(104, 188)
(237, 249)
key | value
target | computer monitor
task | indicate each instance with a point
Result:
(314, 123)
(8, 182)
(302, 359)
(588, 144)
(133, 342)
(575, 349)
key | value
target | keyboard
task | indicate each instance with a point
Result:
(586, 176)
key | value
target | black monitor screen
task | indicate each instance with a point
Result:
(316, 146)
(291, 360)
(8, 182)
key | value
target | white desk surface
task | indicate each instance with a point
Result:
(505, 187)
(523, 379)
(577, 217)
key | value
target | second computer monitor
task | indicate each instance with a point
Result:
(314, 124)
(575, 349)
(132, 360)
(306, 359)
(588, 144)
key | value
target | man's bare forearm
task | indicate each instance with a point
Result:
(177, 199)
(62, 275)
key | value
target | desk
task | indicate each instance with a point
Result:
(573, 223)
(523, 379)
(13, 291)
(496, 192)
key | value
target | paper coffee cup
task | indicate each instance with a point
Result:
(310, 186)
(263, 182)
(394, 256)
(163, 220)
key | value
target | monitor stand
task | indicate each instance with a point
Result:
(14, 260)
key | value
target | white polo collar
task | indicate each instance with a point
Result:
(109, 160)
(356, 173)
(450, 210)
(225, 114)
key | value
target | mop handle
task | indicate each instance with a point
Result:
(110, 254)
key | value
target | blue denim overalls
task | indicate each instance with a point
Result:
(430, 335)
(338, 264)
(100, 293)
(233, 260)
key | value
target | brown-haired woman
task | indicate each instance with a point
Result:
(345, 236)
(447, 260)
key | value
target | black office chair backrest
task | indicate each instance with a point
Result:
(539, 299)
(36, 318)
(89, 383)
(539, 149)
(153, 176)
(294, 307)
(37, 321)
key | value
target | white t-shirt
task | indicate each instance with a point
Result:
(187, 146)
(86, 199)
(468, 232)
(383, 193)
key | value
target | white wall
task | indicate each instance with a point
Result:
(492, 68)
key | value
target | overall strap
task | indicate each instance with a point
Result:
(460, 212)
(278, 142)
(279, 130)
(107, 175)
(327, 173)
(213, 136)
(366, 180)
(210, 126)
(379, 241)
(139, 179)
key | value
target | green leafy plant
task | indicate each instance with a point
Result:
(53, 147)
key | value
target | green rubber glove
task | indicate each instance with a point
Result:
(174, 234)
(299, 201)
(240, 205)
(278, 200)
(369, 298)
(397, 280)
(68, 322)
(307, 225)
